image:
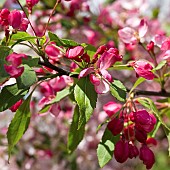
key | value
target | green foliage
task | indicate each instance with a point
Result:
(19, 124)
(118, 90)
(27, 78)
(106, 147)
(4, 52)
(137, 83)
(31, 61)
(160, 65)
(9, 95)
(86, 98)
(76, 134)
(61, 42)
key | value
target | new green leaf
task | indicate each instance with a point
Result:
(19, 124)
(106, 147)
(75, 135)
(118, 90)
(9, 95)
(86, 98)
(27, 78)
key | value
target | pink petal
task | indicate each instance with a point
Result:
(102, 88)
(106, 75)
(127, 35)
(85, 72)
(55, 109)
(14, 71)
(143, 28)
(94, 79)
(74, 52)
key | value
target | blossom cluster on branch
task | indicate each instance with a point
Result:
(120, 54)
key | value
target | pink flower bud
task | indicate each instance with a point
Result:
(147, 156)
(116, 126)
(140, 135)
(133, 151)
(150, 46)
(121, 151)
(151, 141)
(16, 106)
(143, 69)
(4, 13)
(15, 19)
(31, 3)
(74, 52)
(111, 108)
(144, 120)
(14, 71)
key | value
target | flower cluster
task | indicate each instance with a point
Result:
(16, 19)
(132, 127)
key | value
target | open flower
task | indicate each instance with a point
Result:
(130, 35)
(99, 76)
(14, 69)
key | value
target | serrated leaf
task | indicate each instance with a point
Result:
(60, 95)
(75, 135)
(61, 42)
(9, 95)
(27, 78)
(19, 124)
(4, 51)
(160, 65)
(86, 98)
(106, 147)
(118, 90)
(137, 83)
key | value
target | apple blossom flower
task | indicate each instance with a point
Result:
(111, 108)
(30, 4)
(14, 61)
(130, 35)
(143, 69)
(133, 151)
(4, 13)
(99, 76)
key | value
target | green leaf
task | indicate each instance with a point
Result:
(76, 134)
(5, 51)
(19, 124)
(86, 98)
(160, 65)
(106, 147)
(9, 95)
(137, 83)
(61, 42)
(27, 78)
(31, 61)
(118, 90)
(60, 95)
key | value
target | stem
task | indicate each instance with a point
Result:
(58, 1)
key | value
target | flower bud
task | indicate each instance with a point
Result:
(16, 106)
(147, 156)
(121, 151)
(74, 52)
(15, 19)
(140, 135)
(115, 126)
(133, 151)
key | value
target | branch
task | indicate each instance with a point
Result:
(151, 93)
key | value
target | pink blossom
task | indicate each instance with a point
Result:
(4, 13)
(147, 156)
(99, 75)
(31, 3)
(74, 52)
(133, 151)
(165, 44)
(111, 108)
(130, 35)
(15, 19)
(16, 105)
(166, 56)
(14, 61)
(143, 69)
